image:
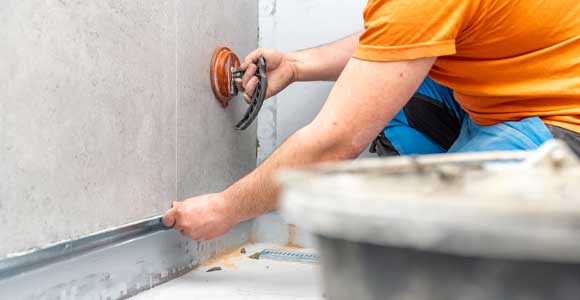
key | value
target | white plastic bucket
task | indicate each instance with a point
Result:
(499, 225)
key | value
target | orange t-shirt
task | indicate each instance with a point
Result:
(504, 59)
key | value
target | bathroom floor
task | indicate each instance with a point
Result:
(242, 277)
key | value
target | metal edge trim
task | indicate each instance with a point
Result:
(19, 263)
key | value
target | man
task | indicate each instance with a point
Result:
(503, 75)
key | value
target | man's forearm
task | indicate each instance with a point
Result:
(256, 193)
(324, 63)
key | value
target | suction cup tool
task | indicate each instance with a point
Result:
(223, 74)
(223, 62)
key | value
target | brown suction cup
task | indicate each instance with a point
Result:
(223, 62)
(223, 72)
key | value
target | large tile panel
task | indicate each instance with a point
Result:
(87, 117)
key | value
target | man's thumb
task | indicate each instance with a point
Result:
(169, 217)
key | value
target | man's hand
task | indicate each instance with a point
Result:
(201, 218)
(322, 63)
(280, 70)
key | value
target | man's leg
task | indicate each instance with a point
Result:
(525, 134)
(429, 123)
(433, 122)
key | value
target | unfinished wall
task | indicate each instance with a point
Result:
(289, 25)
(106, 113)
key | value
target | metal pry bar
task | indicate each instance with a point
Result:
(258, 96)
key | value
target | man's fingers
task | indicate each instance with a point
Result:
(250, 88)
(250, 72)
(239, 85)
(169, 217)
(253, 57)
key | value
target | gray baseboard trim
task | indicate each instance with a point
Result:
(114, 264)
(37, 258)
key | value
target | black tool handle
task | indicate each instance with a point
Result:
(258, 96)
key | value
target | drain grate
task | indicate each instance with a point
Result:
(290, 256)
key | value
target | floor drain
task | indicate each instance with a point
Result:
(290, 256)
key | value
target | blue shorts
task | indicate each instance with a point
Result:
(433, 122)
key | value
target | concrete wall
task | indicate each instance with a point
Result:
(106, 113)
(289, 25)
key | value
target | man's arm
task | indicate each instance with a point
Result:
(324, 63)
(366, 97)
